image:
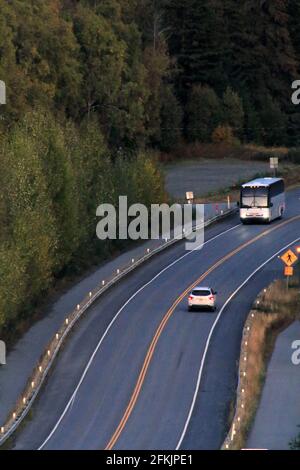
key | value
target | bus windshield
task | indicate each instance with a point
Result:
(254, 197)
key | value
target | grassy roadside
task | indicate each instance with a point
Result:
(215, 151)
(273, 311)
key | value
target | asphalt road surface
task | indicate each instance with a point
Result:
(140, 371)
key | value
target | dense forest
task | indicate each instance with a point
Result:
(155, 71)
(95, 86)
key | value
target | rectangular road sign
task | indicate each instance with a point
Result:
(288, 271)
(289, 258)
(274, 162)
(189, 195)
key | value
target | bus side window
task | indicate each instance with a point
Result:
(276, 189)
(281, 186)
(272, 190)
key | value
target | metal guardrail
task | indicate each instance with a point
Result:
(47, 359)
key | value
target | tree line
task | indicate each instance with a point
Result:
(245, 53)
(52, 178)
(154, 71)
(84, 58)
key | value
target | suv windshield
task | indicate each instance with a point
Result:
(201, 292)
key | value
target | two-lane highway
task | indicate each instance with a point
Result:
(140, 371)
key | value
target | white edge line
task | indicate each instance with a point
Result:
(211, 333)
(71, 400)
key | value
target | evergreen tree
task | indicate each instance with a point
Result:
(157, 63)
(204, 113)
(294, 26)
(233, 111)
(171, 117)
(274, 123)
(196, 40)
(253, 125)
(102, 54)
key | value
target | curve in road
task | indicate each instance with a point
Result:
(162, 407)
(165, 319)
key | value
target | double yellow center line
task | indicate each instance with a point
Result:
(164, 321)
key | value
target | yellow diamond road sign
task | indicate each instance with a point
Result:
(289, 258)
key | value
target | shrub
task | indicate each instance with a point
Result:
(224, 134)
(233, 111)
(294, 155)
(204, 113)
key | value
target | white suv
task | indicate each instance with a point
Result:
(204, 297)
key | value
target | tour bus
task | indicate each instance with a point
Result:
(262, 200)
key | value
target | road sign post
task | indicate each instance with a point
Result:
(297, 273)
(288, 272)
(189, 197)
(274, 164)
(289, 258)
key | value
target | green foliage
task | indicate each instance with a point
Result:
(89, 59)
(103, 55)
(53, 176)
(171, 118)
(118, 60)
(13, 283)
(204, 113)
(252, 124)
(233, 111)
(139, 179)
(92, 175)
(294, 155)
(252, 47)
(29, 213)
(156, 61)
(223, 134)
(39, 61)
(49, 138)
(196, 40)
(294, 29)
(274, 122)
(295, 443)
